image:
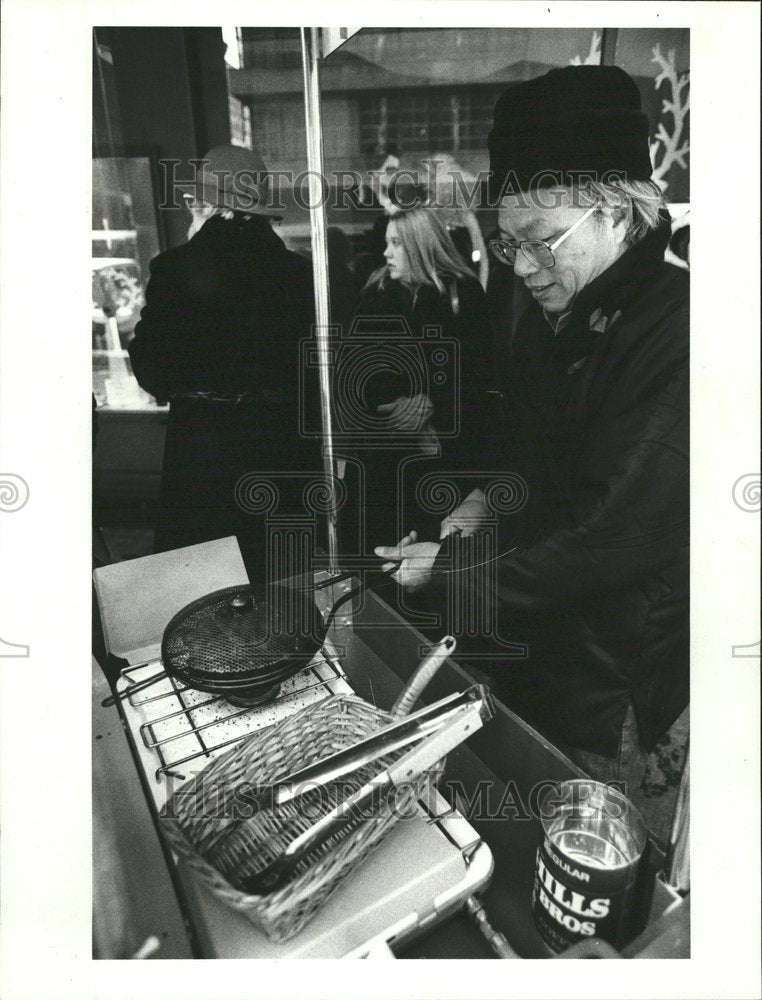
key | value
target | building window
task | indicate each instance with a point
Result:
(271, 48)
(278, 129)
(240, 123)
(476, 109)
(427, 121)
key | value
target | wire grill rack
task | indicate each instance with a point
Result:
(181, 729)
(184, 727)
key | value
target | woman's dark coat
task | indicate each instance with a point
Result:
(449, 349)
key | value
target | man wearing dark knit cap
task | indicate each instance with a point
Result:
(592, 574)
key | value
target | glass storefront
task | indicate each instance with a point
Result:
(392, 99)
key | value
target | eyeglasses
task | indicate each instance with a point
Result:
(537, 252)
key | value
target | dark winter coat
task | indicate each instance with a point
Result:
(595, 420)
(445, 355)
(225, 315)
(457, 318)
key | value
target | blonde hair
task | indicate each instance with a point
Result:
(431, 254)
(640, 203)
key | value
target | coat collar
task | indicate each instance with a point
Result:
(600, 304)
(597, 305)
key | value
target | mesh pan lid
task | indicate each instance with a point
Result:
(237, 637)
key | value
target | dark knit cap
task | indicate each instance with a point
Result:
(571, 121)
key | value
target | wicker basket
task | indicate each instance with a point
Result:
(193, 825)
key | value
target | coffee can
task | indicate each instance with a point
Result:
(587, 864)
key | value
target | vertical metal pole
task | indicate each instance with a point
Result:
(678, 871)
(609, 38)
(311, 66)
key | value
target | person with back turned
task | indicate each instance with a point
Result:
(219, 338)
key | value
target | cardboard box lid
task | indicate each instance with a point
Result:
(138, 597)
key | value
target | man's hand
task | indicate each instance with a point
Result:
(407, 413)
(416, 560)
(469, 518)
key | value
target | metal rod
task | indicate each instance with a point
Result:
(176, 690)
(316, 174)
(678, 870)
(495, 939)
(167, 767)
(609, 38)
(197, 727)
(135, 688)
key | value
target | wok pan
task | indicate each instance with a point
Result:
(242, 642)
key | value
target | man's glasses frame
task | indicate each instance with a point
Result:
(537, 252)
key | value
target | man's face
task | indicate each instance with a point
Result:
(589, 251)
(199, 213)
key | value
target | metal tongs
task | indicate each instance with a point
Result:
(437, 729)
(410, 729)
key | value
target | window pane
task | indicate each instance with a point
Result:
(124, 240)
(408, 92)
(659, 61)
(403, 95)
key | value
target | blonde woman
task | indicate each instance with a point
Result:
(427, 285)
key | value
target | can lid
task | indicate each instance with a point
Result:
(594, 809)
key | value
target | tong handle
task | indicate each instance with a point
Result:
(424, 672)
(392, 737)
(402, 772)
(372, 572)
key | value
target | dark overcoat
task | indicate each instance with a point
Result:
(595, 419)
(220, 337)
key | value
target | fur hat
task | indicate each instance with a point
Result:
(571, 121)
